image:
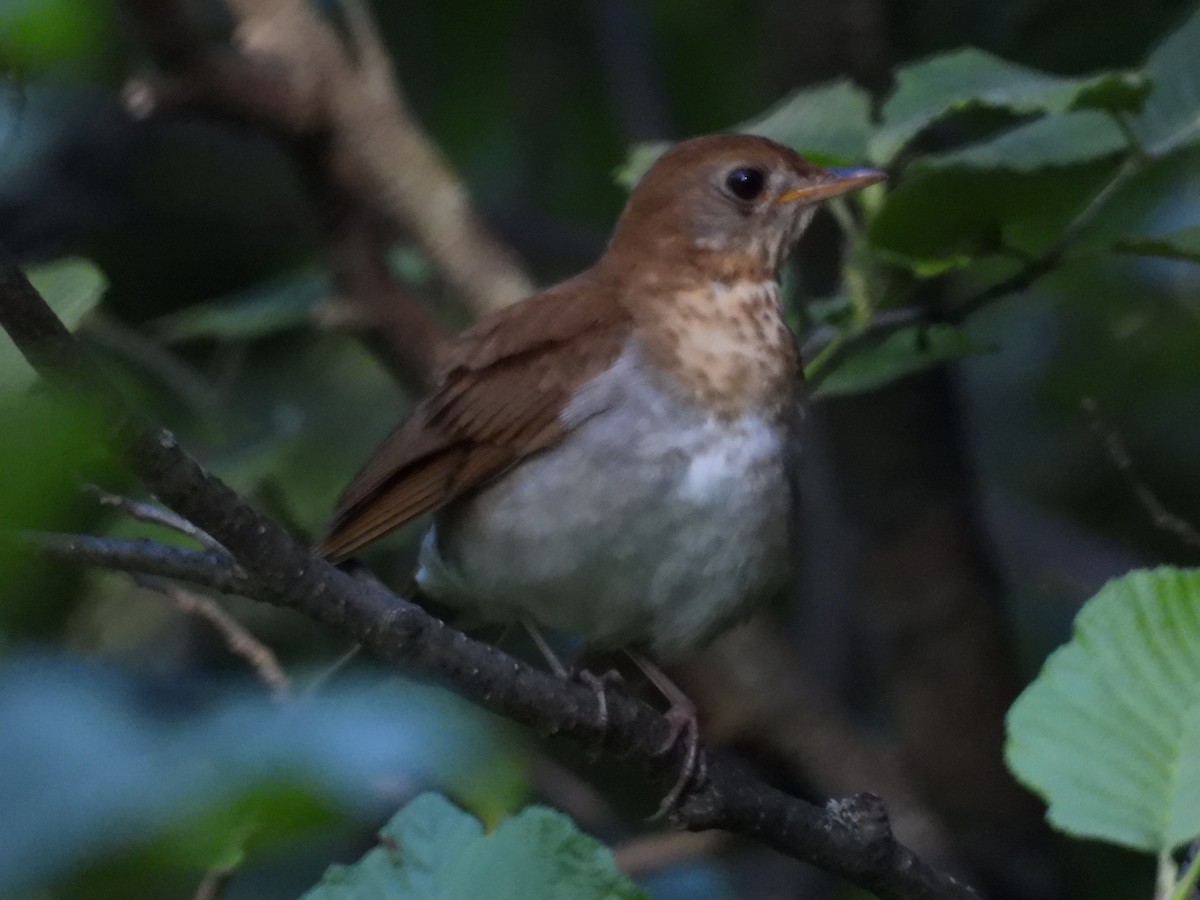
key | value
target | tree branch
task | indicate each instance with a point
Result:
(850, 837)
(334, 100)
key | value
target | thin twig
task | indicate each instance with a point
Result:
(660, 850)
(207, 568)
(212, 886)
(1118, 453)
(1185, 888)
(237, 638)
(322, 678)
(182, 379)
(153, 514)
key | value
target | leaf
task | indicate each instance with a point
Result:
(72, 287)
(262, 310)
(908, 350)
(934, 88)
(1171, 117)
(829, 124)
(1073, 137)
(39, 35)
(92, 764)
(939, 218)
(1109, 732)
(48, 443)
(1123, 93)
(432, 849)
(1183, 245)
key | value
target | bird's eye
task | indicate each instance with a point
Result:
(745, 184)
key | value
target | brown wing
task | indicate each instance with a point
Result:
(504, 385)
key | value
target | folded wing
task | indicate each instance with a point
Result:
(499, 400)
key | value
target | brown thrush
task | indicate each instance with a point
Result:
(608, 456)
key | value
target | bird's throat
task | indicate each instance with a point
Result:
(725, 345)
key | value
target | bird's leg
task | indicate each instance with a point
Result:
(597, 684)
(682, 718)
(548, 654)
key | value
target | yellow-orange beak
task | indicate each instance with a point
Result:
(844, 181)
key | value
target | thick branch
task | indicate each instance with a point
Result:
(850, 837)
(333, 99)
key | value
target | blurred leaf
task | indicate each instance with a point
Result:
(641, 158)
(433, 849)
(829, 124)
(1183, 245)
(36, 35)
(1125, 93)
(942, 217)
(934, 88)
(1161, 197)
(48, 443)
(1171, 117)
(908, 350)
(72, 287)
(262, 310)
(410, 265)
(90, 763)
(1073, 137)
(1108, 732)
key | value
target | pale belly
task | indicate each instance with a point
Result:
(650, 524)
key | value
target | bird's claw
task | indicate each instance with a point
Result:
(600, 684)
(695, 766)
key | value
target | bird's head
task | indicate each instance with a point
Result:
(739, 198)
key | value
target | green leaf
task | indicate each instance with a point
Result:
(1183, 245)
(908, 350)
(1171, 117)
(1073, 137)
(1109, 732)
(829, 124)
(262, 310)
(37, 35)
(641, 157)
(930, 90)
(89, 769)
(938, 218)
(49, 442)
(1124, 92)
(72, 287)
(432, 849)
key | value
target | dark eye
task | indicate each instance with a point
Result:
(745, 184)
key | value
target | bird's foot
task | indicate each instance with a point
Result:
(600, 685)
(694, 768)
(684, 726)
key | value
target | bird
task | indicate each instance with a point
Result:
(610, 456)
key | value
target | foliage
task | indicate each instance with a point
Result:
(995, 168)
(1028, 189)
(207, 778)
(433, 849)
(1108, 732)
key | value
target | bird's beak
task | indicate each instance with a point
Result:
(844, 181)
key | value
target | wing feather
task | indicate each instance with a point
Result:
(499, 400)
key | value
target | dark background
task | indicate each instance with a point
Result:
(956, 518)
